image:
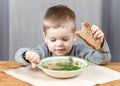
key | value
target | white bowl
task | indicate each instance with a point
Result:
(62, 74)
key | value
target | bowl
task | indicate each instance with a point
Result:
(70, 66)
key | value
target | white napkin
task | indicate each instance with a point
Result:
(91, 76)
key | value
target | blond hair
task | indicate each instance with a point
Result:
(58, 16)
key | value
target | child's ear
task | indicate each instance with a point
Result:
(44, 37)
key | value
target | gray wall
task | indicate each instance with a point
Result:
(21, 22)
(26, 19)
(4, 30)
(111, 26)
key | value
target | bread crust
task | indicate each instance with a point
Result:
(86, 34)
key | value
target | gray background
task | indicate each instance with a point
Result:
(21, 22)
(4, 30)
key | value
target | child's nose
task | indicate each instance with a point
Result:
(59, 43)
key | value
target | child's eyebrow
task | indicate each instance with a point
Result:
(51, 37)
(67, 36)
(64, 37)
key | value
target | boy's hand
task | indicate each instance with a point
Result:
(32, 57)
(97, 32)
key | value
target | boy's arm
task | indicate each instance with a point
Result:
(42, 50)
(101, 56)
(19, 56)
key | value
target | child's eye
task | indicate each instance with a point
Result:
(65, 39)
(52, 40)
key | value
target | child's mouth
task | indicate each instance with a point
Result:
(60, 50)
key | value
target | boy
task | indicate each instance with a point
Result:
(59, 34)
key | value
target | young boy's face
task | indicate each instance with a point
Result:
(59, 40)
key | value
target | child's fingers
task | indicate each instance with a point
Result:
(32, 56)
(35, 58)
(97, 33)
(33, 65)
(27, 55)
(101, 35)
(94, 28)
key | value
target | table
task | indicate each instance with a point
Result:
(7, 80)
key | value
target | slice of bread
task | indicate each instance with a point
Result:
(86, 34)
